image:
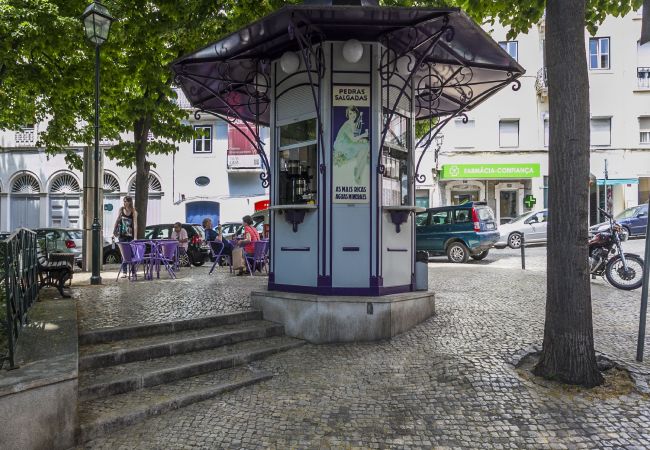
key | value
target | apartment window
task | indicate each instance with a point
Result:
(599, 53)
(465, 133)
(545, 131)
(601, 130)
(512, 47)
(509, 133)
(644, 130)
(203, 139)
(643, 77)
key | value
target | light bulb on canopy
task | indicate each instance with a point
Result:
(352, 51)
(289, 62)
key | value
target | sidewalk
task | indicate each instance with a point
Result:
(445, 384)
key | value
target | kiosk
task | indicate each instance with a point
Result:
(341, 85)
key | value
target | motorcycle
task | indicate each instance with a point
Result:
(606, 257)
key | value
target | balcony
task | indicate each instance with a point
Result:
(181, 100)
(541, 83)
(643, 78)
(26, 137)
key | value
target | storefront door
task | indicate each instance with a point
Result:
(507, 205)
(460, 197)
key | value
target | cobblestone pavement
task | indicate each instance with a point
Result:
(445, 384)
(195, 293)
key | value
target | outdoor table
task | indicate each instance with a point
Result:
(155, 255)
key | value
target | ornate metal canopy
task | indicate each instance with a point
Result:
(452, 63)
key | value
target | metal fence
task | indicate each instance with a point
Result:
(18, 288)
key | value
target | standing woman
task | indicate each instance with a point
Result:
(126, 225)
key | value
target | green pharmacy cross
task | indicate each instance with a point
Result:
(529, 201)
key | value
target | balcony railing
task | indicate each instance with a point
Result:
(541, 82)
(26, 137)
(643, 77)
(182, 101)
(18, 288)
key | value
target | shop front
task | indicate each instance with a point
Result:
(507, 188)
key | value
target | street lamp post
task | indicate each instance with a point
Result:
(97, 23)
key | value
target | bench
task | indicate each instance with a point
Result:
(53, 273)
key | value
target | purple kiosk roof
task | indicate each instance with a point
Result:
(221, 78)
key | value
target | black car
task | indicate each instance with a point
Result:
(197, 252)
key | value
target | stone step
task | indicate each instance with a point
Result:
(103, 335)
(106, 415)
(123, 378)
(161, 345)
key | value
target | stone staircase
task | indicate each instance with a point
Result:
(129, 374)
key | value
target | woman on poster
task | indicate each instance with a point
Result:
(351, 143)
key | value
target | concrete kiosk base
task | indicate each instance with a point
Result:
(323, 319)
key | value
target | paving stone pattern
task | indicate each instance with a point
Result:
(445, 384)
(194, 293)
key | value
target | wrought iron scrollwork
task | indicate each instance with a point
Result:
(255, 89)
(442, 91)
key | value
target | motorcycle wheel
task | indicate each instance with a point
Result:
(616, 275)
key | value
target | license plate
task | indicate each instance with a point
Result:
(489, 226)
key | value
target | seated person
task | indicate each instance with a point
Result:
(216, 237)
(180, 235)
(250, 236)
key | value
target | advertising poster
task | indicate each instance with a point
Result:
(351, 144)
(241, 153)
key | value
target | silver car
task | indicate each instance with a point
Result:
(62, 240)
(531, 225)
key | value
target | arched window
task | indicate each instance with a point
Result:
(24, 206)
(112, 202)
(154, 203)
(65, 184)
(65, 201)
(154, 185)
(25, 184)
(111, 185)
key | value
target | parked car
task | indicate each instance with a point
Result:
(62, 240)
(198, 250)
(111, 253)
(531, 225)
(230, 229)
(634, 221)
(460, 232)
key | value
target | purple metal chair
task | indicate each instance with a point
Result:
(132, 255)
(258, 257)
(218, 254)
(167, 254)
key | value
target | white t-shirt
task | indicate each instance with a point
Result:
(181, 236)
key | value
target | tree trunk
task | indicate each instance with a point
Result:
(141, 131)
(568, 351)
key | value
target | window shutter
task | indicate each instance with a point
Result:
(644, 123)
(509, 133)
(600, 131)
(465, 133)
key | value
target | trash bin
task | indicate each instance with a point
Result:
(421, 271)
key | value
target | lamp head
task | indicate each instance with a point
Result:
(97, 23)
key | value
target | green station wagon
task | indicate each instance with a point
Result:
(460, 232)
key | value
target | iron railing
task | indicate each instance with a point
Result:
(643, 77)
(18, 288)
(26, 137)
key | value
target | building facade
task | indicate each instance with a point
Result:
(216, 175)
(500, 153)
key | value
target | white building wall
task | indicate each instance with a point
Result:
(236, 191)
(614, 93)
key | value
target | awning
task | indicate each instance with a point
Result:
(221, 77)
(615, 181)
